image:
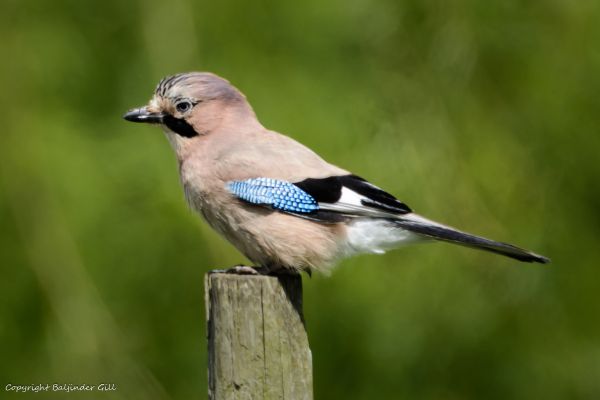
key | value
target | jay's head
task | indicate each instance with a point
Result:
(192, 105)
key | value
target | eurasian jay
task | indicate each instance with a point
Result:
(275, 200)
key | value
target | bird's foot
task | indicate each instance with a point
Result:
(240, 270)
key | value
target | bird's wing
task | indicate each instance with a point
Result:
(339, 198)
(328, 199)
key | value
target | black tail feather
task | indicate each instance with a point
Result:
(441, 232)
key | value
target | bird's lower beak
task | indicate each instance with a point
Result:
(143, 115)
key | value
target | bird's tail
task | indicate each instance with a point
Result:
(431, 229)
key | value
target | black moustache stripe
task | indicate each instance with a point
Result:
(179, 126)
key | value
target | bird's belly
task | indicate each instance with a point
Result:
(274, 239)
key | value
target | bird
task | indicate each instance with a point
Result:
(278, 202)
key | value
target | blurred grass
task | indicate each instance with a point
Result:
(482, 115)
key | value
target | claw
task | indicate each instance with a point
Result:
(248, 270)
(238, 270)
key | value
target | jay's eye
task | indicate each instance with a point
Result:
(183, 106)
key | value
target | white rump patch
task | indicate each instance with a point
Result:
(376, 236)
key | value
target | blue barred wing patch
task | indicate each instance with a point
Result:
(280, 195)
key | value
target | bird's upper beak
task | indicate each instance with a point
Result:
(143, 115)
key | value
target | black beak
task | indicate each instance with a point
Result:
(143, 115)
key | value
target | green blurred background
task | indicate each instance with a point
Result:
(483, 115)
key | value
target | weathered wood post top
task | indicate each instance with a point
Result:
(257, 341)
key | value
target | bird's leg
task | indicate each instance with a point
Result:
(278, 270)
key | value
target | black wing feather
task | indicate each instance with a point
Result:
(329, 190)
(323, 190)
(377, 198)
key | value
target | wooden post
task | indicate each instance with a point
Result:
(257, 342)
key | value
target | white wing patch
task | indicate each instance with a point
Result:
(350, 202)
(350, 197)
